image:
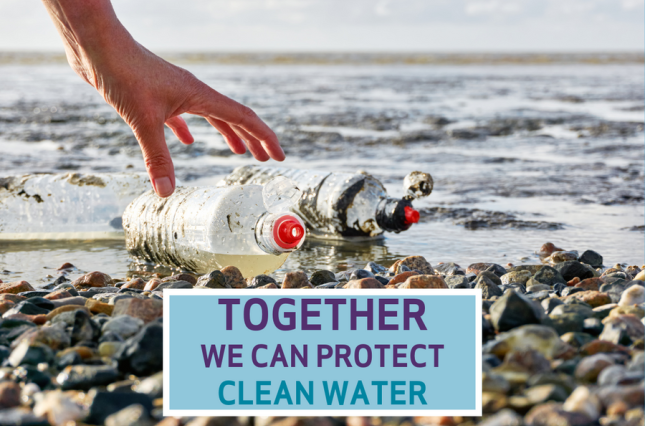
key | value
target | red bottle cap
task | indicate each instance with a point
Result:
(411, 215)
(287, 232)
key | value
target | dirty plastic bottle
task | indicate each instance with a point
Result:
(202, 229)
(67, 205)
(337, 205)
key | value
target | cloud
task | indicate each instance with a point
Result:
(353, 24)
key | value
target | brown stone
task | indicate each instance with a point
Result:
(136, 283)
(9, 297)
(590, 367)
(5, 306)
(590, 284)
(36, 319)
(424, 281)
(9, 394)
(15, 287)
(552, 414)
(145, 309)
(66, 265)
(268, 286)
(593, 298)
(295, 279)
(363, 283)
(84, 352)
(430, 420)
(152, 284)
(632, 395)
(65, 308)
(574, 281)
(93, 279)
(400, 278)
(618, 408)
(601, 346)
(478, 268)
(417, 263)
(547, 250)
(61, 293)
(97, 307)
(532, 361)
(233, 277)
(181, 277)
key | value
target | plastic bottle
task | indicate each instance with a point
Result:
(67, 205)
(202, 229)
(337, 205)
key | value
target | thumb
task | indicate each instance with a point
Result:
(156, 157)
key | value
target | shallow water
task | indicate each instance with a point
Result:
(558, 150)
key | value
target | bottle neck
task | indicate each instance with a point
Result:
(278, 233)
(395, 214)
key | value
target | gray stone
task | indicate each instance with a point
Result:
(123, 325)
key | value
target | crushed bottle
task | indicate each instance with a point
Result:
(337, 205)
(67, 205)
(202, 229)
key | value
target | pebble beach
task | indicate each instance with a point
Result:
(563, 341)
(523, 151)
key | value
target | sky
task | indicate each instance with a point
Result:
(353, 25)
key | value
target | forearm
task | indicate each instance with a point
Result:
(90, 31)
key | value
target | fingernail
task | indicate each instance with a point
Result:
(163, 186)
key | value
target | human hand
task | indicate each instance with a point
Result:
(149, 92)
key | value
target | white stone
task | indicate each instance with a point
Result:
(634, 295)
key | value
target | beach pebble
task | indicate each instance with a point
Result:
(181, 277)
(233, 277)
(151, 386)
(132, 415)
(449, 269)
(297, 279)
(591, 258)
(136, 283)
(84, 329)
(123, 325)
(144, 309)
(15, 287)
(631, 395)
(58, 408)
(424, 281)
(583, 401)
(363, 283)
(632, 296)
(374, 268)
(622, 329)
(552, 414)
(92, 279)
(513, 310)
(518, 277)
(109, 349)
(640, 276)
(214, 279)
(547, 249)
(262, 280)
(400, 278)
(152, 284)
(102, 404)
(9, 395)
(456, 281)
(97, 307)
(590, 367)
(562, 256)
(30, 353)
(488, 287)
(573, 268)
(84, 377)
(142, 354)
(590, 297)
(174, 284)
(505, 417)
(416, 263)
(541, 338)
(546, 275)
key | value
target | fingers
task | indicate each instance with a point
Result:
(179, 127)
(232, 139)
(254, 145)
(238, 116)
(156, 157)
